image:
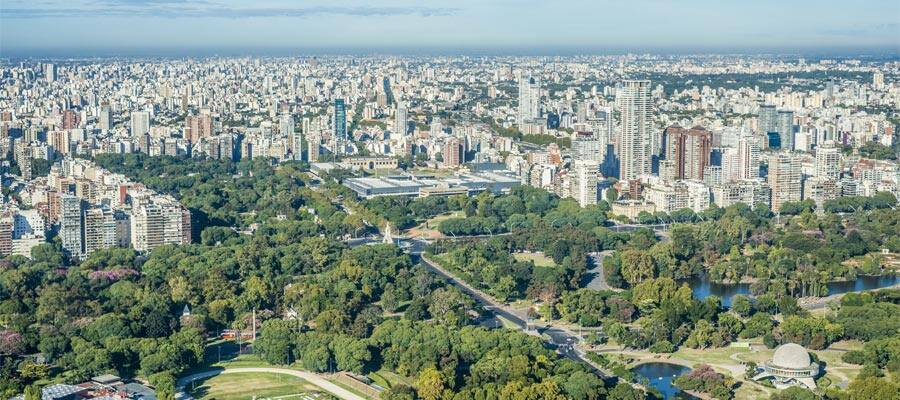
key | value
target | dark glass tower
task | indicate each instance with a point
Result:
(340, 120)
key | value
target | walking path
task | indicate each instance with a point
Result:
(313, 378)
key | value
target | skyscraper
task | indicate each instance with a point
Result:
(340, 120)
(105, 118)
(748, 157)
(197, 127)
(689, 150)
(50, 72)
(286, 124)
(786, 129)
(312, 144)
(140, 123)
(767, 121)
(634, 107)
(70, 223)
(400, 120)
(529, 99)
(452, 152)
(784, 179)
(586, 146)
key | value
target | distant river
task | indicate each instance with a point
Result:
(703, 287)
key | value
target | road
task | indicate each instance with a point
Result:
(661, 230)
(315, 379)
(561, 339)
(595, 278)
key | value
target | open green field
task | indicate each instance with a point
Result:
(428, 229)
(240, 386)
(433, 222)
(539, 259)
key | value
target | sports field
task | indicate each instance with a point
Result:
(241, 386)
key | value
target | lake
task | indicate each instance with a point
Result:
(660, 376)
(702, 287)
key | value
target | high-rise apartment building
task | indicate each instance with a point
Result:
(99, 229)
(340, 120)
(105, 118)
(748, 157)
(70, 226)
(689, 150)
(586, 146)
(878, 80)
(197, 127)
(634, 143)
(159, 222)
(400, 120)
(767, 120)
(828, 162)
(6, 235)
(584, 182)
(453, 153)
(313, 141)
(70, 119)
(140, 123)
(50, 72)
(286, 125)
(529, 99)
(784, 179)
(786, 129)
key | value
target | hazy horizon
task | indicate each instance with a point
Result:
(208, 27)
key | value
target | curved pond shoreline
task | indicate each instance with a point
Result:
(703, 287)
(660, 375)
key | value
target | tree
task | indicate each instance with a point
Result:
(873, 388)
(741, 305)
(398, 392)
(430, 384)
(164, 383)
(33, 392)
(701, 336)
(611, 195)
(637, 266)
(794, 393)
(759, 324)
(583, 385)
(624, 391)
(275, 342)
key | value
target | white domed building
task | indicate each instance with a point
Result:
(790, 366)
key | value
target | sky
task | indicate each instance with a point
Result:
(184, 27)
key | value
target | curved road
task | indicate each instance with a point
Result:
(315, 379)
(563, 340)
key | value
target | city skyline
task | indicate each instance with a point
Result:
(201, 27)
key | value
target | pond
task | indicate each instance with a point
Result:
(703, 287)
(660, 376)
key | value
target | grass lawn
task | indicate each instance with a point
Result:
(388, 379)
(433, 222)
(712, 356)
(428, 228)
(539, 259)
(252, 384)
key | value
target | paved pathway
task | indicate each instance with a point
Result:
(594, 277)
(313, 378)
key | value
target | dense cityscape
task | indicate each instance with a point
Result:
(432, 224)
